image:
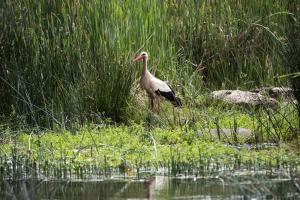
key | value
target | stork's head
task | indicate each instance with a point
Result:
(142, 56)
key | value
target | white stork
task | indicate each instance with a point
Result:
(155, 87)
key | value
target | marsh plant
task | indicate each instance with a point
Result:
(66, 61)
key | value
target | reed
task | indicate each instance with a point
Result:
(64, 61)
(291, 51)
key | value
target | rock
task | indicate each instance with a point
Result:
(243, 97)
(285, 93)
(243, 132)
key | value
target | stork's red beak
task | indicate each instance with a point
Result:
(138, 58)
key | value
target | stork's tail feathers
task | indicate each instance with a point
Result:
(171, 97)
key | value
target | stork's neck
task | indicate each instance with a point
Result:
(144, 70)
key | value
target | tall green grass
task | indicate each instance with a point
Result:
(65, 60)
(291, 51)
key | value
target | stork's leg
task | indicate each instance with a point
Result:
(149, 111)
(158, 105)
(151, 104)
(178, 117)
(174, 116)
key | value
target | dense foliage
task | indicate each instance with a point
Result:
(292, 50)
(65, 60)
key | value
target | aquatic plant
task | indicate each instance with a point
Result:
(130, 150)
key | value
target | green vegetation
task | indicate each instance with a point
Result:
(70, 98)
(292, 51)
(190, 147)
(101, 150)
(69, 61)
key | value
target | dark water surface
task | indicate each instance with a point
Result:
(159, 187)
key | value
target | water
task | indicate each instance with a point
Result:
(158, 187)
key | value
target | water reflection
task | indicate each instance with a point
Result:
(159, 187)
(215, 188)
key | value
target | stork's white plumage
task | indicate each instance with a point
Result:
(159, 85)
(154, 86)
